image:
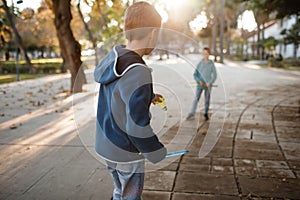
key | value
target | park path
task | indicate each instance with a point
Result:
(47, 137)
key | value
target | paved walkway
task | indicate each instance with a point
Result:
(257, 155)
(248, 150)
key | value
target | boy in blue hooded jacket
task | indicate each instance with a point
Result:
(124, 137)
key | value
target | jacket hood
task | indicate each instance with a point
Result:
(106, 71)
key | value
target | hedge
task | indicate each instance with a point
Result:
(9, 67)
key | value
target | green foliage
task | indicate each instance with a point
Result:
(282, 8)
(5, 30)
(42, 66)
(8, 78)
(291, 62)
(292, 35)
(270, 43)
(106, 20)
(286, 63)
(273, 62)
(38, 31)
(260, 10)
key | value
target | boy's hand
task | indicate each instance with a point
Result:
(157, 99)
(201, 83)
(208, 85)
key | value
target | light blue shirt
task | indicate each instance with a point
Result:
(205, 72)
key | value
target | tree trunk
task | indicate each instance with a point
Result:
(63, 68)
(228, 38)
(104, 23)
(18, 38)
(215, 29)
(263, 40)
(295, 50)
(222, 30)
(242, 49)
(1, 71)
(253, 48)
(92, 39)
(70, 48)
(210, 42)
(258, 42)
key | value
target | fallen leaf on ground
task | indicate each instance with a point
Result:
(203, 131)
(67, 92)
(29, 93)
(13, 126)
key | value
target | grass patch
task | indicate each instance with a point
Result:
(8, 78)
(240, 58)
(46, 66)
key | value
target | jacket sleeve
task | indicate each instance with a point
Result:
(137, 97)
(197, 74)
(213, 74)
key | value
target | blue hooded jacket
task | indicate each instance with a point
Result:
(123, 131)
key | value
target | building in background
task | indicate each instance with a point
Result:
(273, 29)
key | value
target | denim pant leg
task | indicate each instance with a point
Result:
(117, 184)
(128, 181)
(207, 100)
(196, 100)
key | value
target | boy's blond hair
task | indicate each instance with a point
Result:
(140, 15)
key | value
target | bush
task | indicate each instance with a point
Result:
(234, 57)
(273, 62)
(286, 63)
(12, 77)
(291, 62)
(9, 67)
(49, 68)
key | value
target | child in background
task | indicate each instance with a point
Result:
(205, 75)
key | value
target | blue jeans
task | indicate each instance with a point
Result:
(128, 180)
(197, 98)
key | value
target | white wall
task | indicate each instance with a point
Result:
(274, 30)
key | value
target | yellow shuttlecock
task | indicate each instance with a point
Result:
(162, 103)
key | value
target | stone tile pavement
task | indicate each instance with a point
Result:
(255, 155)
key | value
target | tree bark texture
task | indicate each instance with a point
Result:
(215, 29)
(296, 46)
(70, 48)
(222, 21)
(258, 42)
